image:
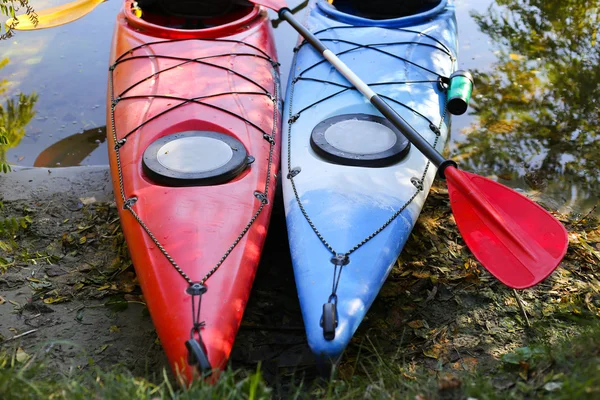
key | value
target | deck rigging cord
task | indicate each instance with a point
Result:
(196, 352)
(340, 259)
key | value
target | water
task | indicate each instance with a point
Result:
(533, 124)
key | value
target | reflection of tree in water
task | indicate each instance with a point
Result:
(539, 116)
(14, 116)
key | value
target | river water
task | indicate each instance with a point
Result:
(533, 123)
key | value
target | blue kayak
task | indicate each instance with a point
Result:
(353, 185)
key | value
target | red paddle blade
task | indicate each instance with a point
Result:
(272, 4)
(515, 239)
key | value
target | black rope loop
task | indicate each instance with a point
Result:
(196, 290)
(196, 351)
(333, 299)
(196, 329)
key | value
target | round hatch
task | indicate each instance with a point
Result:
(195, 158)
(359, 140)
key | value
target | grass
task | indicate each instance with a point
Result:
(441, 328)
(567, 370)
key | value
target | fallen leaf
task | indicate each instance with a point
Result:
(435, 351)
(552, 386)
(449, 381)
(409, 377)
(421, 275)
(87, 200)
(102, 348)
(21, 356)
(416, 324)
(52, 300)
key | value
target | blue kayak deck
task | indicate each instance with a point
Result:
(365, 212)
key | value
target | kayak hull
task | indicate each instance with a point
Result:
(166, 81)
(365, 212)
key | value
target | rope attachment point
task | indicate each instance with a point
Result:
(197, 355)
(329, 319)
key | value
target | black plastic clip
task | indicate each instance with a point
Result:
(340, 259)
(262, 197)
(269, 139)
(112, 67)
(293, 119)
(435, 129)
(120, 143)
(329, 320)
(115, 102)
(129, 203)
(196, 289)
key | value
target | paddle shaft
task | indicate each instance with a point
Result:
(507, 242)
(411, 134)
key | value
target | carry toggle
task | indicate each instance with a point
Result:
(197, 356)
(329, 320)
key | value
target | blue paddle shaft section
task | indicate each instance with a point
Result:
(352, 208)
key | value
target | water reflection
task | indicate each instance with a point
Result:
(535, 118)
(71, 150)
(538, 117)
(67, 67)
(15, 114)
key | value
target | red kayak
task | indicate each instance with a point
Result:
(193, 127)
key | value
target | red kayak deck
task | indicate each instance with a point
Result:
(224, 80)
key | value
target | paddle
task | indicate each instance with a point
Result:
(55, 16)
(514, 238)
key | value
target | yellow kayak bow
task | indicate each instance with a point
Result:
(55, 16)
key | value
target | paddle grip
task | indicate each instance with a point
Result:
(459, 92)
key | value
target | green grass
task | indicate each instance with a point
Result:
(568, 370)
